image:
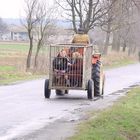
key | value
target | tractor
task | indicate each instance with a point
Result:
(74, 67)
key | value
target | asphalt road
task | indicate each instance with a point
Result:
(23, 109)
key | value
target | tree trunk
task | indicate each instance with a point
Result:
(28, 63)
(130, 51)
(134, 49)
(124, 46)
(116, 41)
(36, 58)
(105, 51)
(37, 53)
(73, 17)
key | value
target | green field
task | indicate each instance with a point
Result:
(8, 78)
(14, 47)
(13, 62)
(7, 68)
(120, 122)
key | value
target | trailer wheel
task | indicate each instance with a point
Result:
(47, 91)
(90, 88)
(59, 92)
(96, 77)
(66, 92)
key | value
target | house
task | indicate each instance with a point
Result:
(53, 34)
(15, 33)
(18, 33)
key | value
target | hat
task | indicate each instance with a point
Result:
(80, 30)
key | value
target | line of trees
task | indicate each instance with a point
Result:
(3, 27)
(38, 24)
(119, 19)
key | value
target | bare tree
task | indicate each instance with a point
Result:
(3, 27)
(43, 26)
(85, 13)
(126, 34)
(31, 21)
(108, 24)
(122, 20)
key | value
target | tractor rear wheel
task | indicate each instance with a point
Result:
(47, 91)
(97, 78)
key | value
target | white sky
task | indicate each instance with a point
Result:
(13, 8)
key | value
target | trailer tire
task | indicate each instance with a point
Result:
(47, 91)
(90, 89)
(66, 92)
(59, 92)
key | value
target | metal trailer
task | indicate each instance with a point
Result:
(70, 68)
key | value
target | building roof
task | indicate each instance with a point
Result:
(17, 29)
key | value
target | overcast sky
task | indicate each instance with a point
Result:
(13, 8)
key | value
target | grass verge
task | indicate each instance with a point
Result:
(114, 60)
(8, 78)
(120, 122)
(14, 47)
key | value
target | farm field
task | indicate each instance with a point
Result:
(13, 62)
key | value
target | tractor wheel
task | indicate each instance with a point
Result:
(103, 84)
(59, 92)
(66, 92)
(90, 89)
(96, 77)
(47, 91)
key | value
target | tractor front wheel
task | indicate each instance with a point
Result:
(59, 92)
(90, 90)
(98, 78)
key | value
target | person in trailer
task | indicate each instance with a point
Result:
(61, 65)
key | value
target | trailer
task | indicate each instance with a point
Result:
(70, 68)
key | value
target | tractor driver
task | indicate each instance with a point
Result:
(81, 37)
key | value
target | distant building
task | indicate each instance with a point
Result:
(53, 34)
(61, 35)
(18, 33)
(15, 33)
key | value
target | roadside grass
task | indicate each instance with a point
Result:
(120, 122)
(114, 60)
(8, 78)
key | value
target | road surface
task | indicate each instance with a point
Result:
(23, 109)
